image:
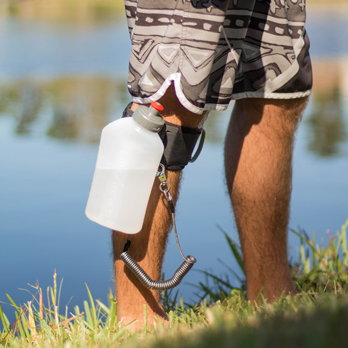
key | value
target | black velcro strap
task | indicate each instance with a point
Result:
(179, 143)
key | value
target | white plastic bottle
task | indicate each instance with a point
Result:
(129, 154)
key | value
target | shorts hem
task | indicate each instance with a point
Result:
(256, 94)
(271, 95)
(175, 77)
(217, 107)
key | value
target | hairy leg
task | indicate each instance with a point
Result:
(148, 246)
(258, 164)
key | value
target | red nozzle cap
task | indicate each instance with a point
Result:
(157, 106)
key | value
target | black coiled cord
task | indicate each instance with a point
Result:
(153, 284)
(188, 260)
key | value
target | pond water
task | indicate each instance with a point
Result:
(60, 85)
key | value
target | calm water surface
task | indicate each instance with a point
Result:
(60, 85)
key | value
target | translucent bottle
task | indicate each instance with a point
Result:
(129, 154)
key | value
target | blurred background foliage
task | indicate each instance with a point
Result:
(63, 10)
(82, 10)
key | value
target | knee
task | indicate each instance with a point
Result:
(174, 112)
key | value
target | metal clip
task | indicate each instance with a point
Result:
(164, 184)
(161, 172)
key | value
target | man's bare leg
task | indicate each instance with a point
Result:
(258, 162)
(148, 246)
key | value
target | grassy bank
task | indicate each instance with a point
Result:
(316, 317)
(304, 321)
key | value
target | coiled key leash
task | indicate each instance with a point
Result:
(188, 260)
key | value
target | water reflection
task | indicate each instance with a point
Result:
(67, 108)
(76, 108)
(29, 107)
(327, 124)
(82, 106)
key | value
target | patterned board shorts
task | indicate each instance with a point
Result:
(215, 51)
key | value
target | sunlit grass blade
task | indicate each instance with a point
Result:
(218, 280)
(304, 237)
(93, 311)
(343, 243)
(89, 320)
(20, 318)
(235, 249)
(4, 321)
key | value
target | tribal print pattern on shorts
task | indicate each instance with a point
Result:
(218, 50)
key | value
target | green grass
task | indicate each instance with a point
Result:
(316, 317)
